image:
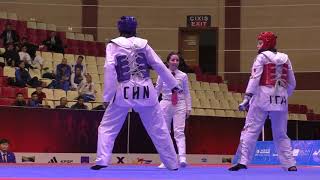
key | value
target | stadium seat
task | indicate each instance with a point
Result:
(97, 87)
(8, 92)
(51, 27)
(220, 113)
(79, 36)
(72, 95)
(237, 96)
(24, 91)
(210, 112)
(230, 113)
(101, 70)
(223, 87)
(3, 81)
(47, 56)
(91, 60)
(214, 87)
(58, 93)
(192, 77)
(199, 112)
(92, 69)
(12, 16)
(3, 15)
(215, 104)
(219, 95)
(225, 104)
(9, 71)
(200, 94)
(70, 58)
(95, 78)
(195, 85)
(205, 86)
(49, 93)
(88, 37)
(228, 95)
(100, 61)
(31, 90)
(196, 103)
(49, 103)
(205, 103)
(6, 101)
(210, 94)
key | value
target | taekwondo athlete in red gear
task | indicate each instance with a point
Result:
(128, 85)
(272, 81)
(176, 109)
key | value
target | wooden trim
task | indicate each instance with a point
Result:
(90, 17)
(232, 36)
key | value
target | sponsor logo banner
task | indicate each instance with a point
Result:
(305, 153)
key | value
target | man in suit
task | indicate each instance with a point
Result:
(9, 36)
(5, 155)
(54, 43)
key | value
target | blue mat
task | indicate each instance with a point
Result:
(153, 173)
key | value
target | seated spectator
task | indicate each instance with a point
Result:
(101, 107)
(78, 64)
(87, 90)
(5, 155)
(63, 74)
(28, 51)
(9, 35)
(41, 95)
(80, 104)
(25, 57)
(63, 103)
(11, 56)
(54, 43)
(23, 78)
(19, 100)
(34, 101)
(76, 78)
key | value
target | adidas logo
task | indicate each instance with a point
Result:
(53, 160)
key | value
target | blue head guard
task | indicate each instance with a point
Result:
(127, 25)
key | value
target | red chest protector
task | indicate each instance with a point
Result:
(272, 73)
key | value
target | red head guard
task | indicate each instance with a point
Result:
(269, 40)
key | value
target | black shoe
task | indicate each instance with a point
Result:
(292, 168)
(237, 167)
(97, 167)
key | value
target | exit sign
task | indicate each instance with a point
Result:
(198, 21)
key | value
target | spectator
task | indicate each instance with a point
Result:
(41, 95)
(25, 57)
(63, 103)
(11, 56)
(34, 101)
(76, 79)
(5, 155)
(31, 50)
(63, 74)
(54, 43)
(80, 104)
(79, 64)
(19, 100)
(101, 107)
(23, 78)
(9, 36)
(87, 90)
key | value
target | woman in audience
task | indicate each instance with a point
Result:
(87, 90)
